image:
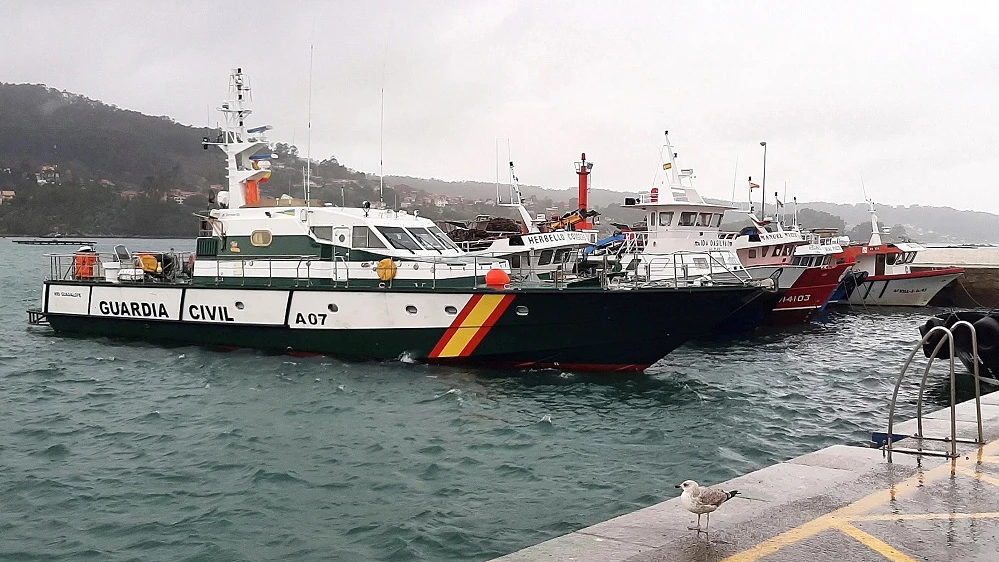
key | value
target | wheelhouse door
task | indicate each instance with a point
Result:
(341, 242)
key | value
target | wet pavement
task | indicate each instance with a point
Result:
(838, 504)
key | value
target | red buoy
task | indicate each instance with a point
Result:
(497, 278)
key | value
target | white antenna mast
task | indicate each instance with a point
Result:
(381, 153)
(735, 177)
(783, 203)
(308, 151)
(497, 172)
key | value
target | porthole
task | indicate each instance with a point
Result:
(450, 310)
(342, 238)
(411, 309)
(416, 266)
(261, 238)
(522, 311)
(240, 305)
(332, 307)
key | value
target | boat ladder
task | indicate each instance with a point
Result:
(946, 337)
(36, 317)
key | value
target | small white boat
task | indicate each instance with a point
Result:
(890, 279)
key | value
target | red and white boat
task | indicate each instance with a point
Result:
(802, 264)
(890, 279)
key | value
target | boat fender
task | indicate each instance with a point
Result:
(931, 344)
(987, 329)
(386, 269)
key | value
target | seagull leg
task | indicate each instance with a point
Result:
(708, 524)
(698, 527)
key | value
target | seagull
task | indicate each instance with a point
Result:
(702, 501)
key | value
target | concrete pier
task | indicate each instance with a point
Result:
(838, 504)
(978, 287)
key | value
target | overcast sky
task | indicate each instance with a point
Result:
(901, 94)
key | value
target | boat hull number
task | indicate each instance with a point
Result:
(311, 319)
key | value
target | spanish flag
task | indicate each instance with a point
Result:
(667, 166)
(753, 185)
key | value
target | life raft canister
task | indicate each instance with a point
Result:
(386, 269)
(654, 195)
(84, 264)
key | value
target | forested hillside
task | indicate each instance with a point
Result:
(73, 165)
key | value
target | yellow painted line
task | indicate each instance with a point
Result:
(978, 475)
(925, 516)
(857, 509)
(793, 536)
(472, 323)
(875, 544)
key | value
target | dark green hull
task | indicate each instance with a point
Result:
(572, 329)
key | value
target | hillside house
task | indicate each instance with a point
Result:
(6, 196)
(47, 174)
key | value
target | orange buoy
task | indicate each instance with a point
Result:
(386, 269)
(497, 278)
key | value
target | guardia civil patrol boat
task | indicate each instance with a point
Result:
(302, 276)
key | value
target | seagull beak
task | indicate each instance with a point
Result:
(677, 486)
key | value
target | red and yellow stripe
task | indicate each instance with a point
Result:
(477, 317)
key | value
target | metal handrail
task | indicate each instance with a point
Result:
(948, 337)
(685, 267)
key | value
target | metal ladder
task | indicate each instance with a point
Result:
(948, 338)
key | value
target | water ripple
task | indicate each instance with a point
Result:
(132, 451)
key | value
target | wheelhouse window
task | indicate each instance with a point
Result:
(425, 238)
(704, 219)
(752, 254)
(448, 243)
(665, 219)
(546, 257)
(363, 237)
(261, 238)
(399, 238)
(716, 220)
(324, 232)
(687, 219)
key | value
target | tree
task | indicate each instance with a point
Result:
(810, 218)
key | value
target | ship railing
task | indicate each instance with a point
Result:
(685, 269)
(295, 267)
(634, 242)
(115, 267)
(425, 272)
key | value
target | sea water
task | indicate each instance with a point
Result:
(113, 450)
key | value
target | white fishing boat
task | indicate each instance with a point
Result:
(890, 280)
(678, 219)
